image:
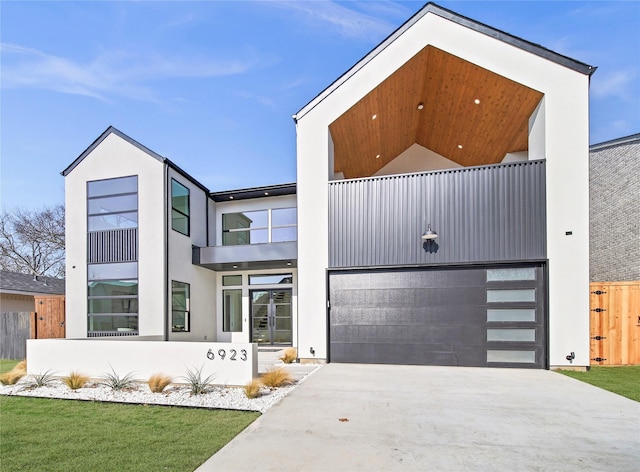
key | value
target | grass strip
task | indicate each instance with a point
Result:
(7, 364)
(64, 435)
(623, 380)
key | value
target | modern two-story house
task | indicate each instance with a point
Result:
(440, 217)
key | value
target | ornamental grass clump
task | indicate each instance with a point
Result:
(15, 374)
(252, 389)
(277, 377)
(198, 385)
(42, 379)
(75, 380)
(158, 382)
(290, 355)
(117, 382)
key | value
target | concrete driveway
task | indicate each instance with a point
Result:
(349, 417)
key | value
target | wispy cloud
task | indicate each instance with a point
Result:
(344, 21)
(110, 74)
(613, 84)
(262, 99)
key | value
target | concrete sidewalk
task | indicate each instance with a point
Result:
(352, 417)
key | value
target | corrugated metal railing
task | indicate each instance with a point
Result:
(118, 245)
(488, 213)
(100, 334)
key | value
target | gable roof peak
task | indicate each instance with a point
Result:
(110, 130)
(433, 8)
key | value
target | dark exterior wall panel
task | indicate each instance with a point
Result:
(491, 213)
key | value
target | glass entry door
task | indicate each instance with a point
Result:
(271, 316)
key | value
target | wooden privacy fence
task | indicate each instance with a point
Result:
(615, 323)
(16, 327)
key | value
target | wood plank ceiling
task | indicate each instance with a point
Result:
(469, 115)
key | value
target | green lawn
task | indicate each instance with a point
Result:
(64, 435)
(7, 364)
(623, 380)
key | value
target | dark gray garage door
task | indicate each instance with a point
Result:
(479, 316)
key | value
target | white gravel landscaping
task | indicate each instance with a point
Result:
(219, 397)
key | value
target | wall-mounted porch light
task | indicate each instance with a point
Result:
(429, 235)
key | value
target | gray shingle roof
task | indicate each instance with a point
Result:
(12, 282)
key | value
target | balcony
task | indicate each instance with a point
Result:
(277, 255)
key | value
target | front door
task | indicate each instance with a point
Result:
(271, 316)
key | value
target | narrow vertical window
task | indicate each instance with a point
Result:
(179, 307)
(179, 207)
(232, 311)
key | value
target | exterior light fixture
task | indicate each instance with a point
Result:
(231, 197)
(420, 106)
(266, 193)
(459, 146)
(235, 266)
(377, 156)
(477, 101)
(373, 117)
(429, 235)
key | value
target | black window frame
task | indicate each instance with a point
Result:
(180, 212)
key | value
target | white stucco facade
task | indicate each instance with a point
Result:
(115, 157)
(559, 134)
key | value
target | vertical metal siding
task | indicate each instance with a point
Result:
(481, 214)
(119, 245)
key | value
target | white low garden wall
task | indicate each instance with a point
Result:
(229, 363)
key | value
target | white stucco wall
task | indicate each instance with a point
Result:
(417, 158)
(563, 123)
(202, 282)
(115, 157)
(237, 206)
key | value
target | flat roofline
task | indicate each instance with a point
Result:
(254, 192)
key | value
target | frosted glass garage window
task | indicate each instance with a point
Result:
(511, 274)
(512, 315)
(511, 357)
(511, 335)
(516, 295)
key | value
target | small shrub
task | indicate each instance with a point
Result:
(117, 382)
(158, 382)
(198, 385)
(290, 355)
(252, 389)
(42, 379)
(15, 374)
(277, 377)
(75, 380)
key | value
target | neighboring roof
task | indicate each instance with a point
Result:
(633, 138)
(120, 134)
(463, 21)
(25, 284)
(255, 192)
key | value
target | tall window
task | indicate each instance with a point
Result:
(112, 269)
(112, 204)
(261, 226)
(179, 307)
(112, 299)
(232, 310)
(179, 207)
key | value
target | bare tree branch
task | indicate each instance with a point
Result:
(32, 241)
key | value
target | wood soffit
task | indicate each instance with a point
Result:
(451, 123)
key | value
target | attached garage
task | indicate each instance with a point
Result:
(484, 316)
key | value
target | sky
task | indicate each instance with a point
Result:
(212, 85)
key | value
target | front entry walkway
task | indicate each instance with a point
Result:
(376, 417)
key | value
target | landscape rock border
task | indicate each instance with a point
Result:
(218, 397)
